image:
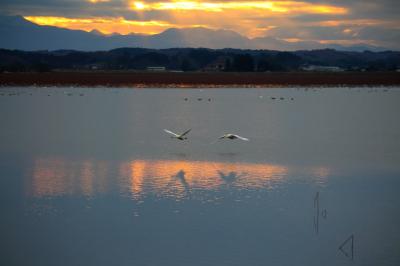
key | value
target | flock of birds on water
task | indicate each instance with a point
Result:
(314, 89)
(183, 136)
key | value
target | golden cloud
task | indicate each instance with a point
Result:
(354, 22)
(274, 6)
(249, 18)
(104, 25)
(98, 1)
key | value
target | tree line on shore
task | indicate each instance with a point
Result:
(196, 59)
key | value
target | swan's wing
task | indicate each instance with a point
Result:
(172, 133)
(184, 133)
(242, 138)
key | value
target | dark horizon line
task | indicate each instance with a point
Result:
(201, 48)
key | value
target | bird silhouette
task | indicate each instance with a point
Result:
(232, 136)
(178, 136)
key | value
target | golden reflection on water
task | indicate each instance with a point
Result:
(176, 178)
(57, 176)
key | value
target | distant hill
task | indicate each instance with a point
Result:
(198, 59)
(21, 34)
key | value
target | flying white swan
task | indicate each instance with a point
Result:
(178, 136)
(233, 136)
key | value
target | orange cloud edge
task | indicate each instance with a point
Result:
(189, 14)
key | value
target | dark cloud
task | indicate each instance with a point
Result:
(71, 8)
(383, 9)
(78, 9)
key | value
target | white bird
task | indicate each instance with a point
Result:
(178, 136)
(233, 136)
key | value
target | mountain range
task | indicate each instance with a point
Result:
(21, 34)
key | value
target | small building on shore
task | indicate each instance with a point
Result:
(92, 67)
(314, 68)
(156, 68)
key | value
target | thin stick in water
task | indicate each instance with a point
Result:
(350, 238)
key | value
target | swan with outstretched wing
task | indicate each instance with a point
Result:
(178, 136)
(233, 136)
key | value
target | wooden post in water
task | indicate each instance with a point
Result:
(316, 216)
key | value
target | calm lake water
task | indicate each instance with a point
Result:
(89, 177)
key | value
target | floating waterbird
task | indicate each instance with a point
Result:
(233, 136)
(178, 136)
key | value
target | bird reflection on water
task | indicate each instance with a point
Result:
(181, 177)
(54, 177)
(229, 177)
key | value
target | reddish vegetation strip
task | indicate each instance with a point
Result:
(198, 79)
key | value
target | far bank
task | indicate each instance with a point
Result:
(199, 79)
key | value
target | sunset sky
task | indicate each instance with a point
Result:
(326, 21)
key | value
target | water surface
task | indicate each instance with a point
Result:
(89, 177)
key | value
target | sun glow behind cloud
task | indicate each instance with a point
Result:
(249, 18)
(273, 6)
(310, 23)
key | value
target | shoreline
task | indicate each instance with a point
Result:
(199, 79)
